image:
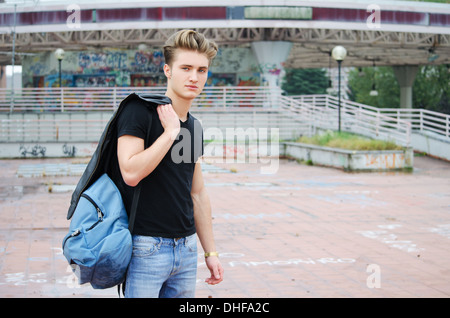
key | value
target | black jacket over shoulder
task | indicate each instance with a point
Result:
(100, 162)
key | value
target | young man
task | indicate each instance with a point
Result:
(174, 207)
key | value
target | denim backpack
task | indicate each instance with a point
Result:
(98, 246)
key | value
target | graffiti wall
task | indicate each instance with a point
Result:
(106, 68)
(235, 67)
(118, 67)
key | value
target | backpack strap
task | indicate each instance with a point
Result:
(137, 190)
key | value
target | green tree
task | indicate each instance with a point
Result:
(430, 89)
(305, 81)
(362, 80)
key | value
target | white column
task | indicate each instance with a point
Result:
(405, 75)
(271, 56)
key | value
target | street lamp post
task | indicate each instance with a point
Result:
(374, 91)
(59, 54)
(339, 53)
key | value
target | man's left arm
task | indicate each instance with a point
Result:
(203, 224)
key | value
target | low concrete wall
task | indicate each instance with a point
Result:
(47, 149)
(241, 153)
(433, 144)
(231, 151)
(350, 160)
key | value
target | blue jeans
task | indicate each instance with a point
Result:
(162, 267)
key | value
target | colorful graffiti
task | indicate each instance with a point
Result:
(118, 67)
(102, 61)
(148, 62)
(95, 80)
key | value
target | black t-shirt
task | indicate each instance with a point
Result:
(165, 206)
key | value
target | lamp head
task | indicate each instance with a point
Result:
(339, 53)
(59, 54)
(374, 91)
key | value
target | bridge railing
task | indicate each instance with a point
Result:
(322, 112)
(421, 120)
(70, 99)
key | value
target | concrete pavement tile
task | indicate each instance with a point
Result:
(301, 232)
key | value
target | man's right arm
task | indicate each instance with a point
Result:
(135, 161)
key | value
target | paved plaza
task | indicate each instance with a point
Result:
(303, 231)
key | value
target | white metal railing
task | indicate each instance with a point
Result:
(322, 111)
(108, 98)
(50, 130)
(421, 120)
(314, 111)
(80, 115)
(217, 123)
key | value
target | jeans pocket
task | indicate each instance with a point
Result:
(145, 249)
(191, 243)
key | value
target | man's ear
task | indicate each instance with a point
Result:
(167, 71)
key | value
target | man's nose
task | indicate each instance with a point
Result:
(194, 76)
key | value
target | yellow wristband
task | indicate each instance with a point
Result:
(211, 254)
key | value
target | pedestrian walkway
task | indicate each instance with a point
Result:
(303, 231)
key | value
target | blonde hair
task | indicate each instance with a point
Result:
(189, 40)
